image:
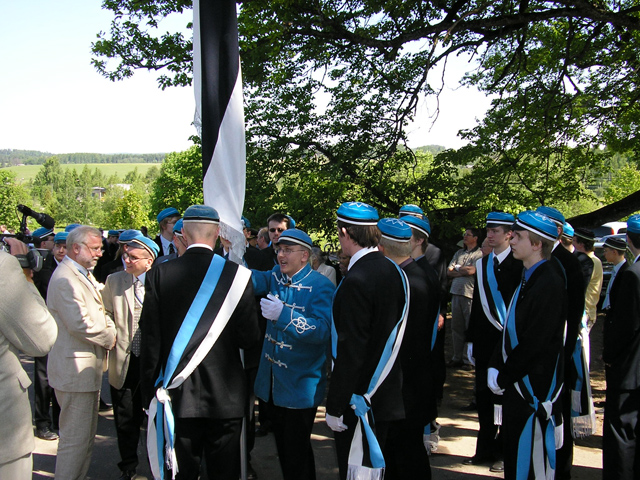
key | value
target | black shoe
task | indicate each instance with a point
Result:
(497, 466)
(476, 460)
(45, 433)
(262, 431)
(104, 406)
(128, 475)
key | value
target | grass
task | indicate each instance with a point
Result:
(26, 173)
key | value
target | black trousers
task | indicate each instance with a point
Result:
(343, 439)
(128, 414)
(489, 444)
(620, 432)
(292, 430)
(215, 440)
(44, 396)
(404, 454)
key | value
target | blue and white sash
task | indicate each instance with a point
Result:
(365, 456)
(161, 424)
(496, 316)
(539, 436)
(583, 416)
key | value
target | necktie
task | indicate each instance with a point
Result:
(138, 289)
(171, 249)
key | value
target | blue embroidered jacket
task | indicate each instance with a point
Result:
(296, 346)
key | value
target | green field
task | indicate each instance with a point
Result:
(26, 173)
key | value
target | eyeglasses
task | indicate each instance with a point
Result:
(279, 230)
(287, 251)
(132, 259)
(93, 249)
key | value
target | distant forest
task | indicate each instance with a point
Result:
(10, 158)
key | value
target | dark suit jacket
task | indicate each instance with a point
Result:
(481, 332)
(622, 331)
(217, 388)
(415, 353)
(366, 308)
(433, 256)
(539, 321)
(575, 292)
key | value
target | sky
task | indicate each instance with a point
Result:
(53, 100)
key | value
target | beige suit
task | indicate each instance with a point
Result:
(25, 325)
(76, 364)
(119, 302)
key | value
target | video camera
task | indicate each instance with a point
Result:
(33, 259)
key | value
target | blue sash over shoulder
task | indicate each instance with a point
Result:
(161, 424)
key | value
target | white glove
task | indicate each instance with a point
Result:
(470, 353)
(335, 423)
(492, 381)
(271, 307)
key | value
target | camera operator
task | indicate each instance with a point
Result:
(25, 325)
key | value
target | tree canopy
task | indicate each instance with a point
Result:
(330, 87)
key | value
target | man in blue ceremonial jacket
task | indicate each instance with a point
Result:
(292, 375)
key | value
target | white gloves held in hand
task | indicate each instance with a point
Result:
(492, 381)
(335, 423)
(271, 307)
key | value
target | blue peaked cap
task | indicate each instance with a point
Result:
(553, 213)
(410, 209)
(358, 213)
(114, 233)
(167, 212)
(61, 237)
(295, 236)
(633, 224)
(537, 222)
(201, 213)
(420, 224)
(567, 230)
(145, 242)
(128, 235)
(499, 218)
(69, 228)
(177, 228)
(42, 232)
(395, 229)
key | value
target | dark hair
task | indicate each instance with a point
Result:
(420, 235)
(634, 238)
(587, 244)
(474, 231)
(364, 235)
(279, 217)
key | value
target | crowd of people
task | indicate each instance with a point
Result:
(192, 341)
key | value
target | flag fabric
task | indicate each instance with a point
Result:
(219, 114)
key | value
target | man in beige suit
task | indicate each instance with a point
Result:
(123, 296)
(25, 325)
(79, 355)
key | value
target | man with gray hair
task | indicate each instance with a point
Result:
(79, 355)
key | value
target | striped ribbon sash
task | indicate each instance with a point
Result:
(490, 295)
(365, 455)
(583, 417)
(161, 424)
(539, 434)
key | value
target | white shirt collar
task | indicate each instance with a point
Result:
(202, 245)
(501, 256)
(359, 254)
(80, 268)
(165, 244)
